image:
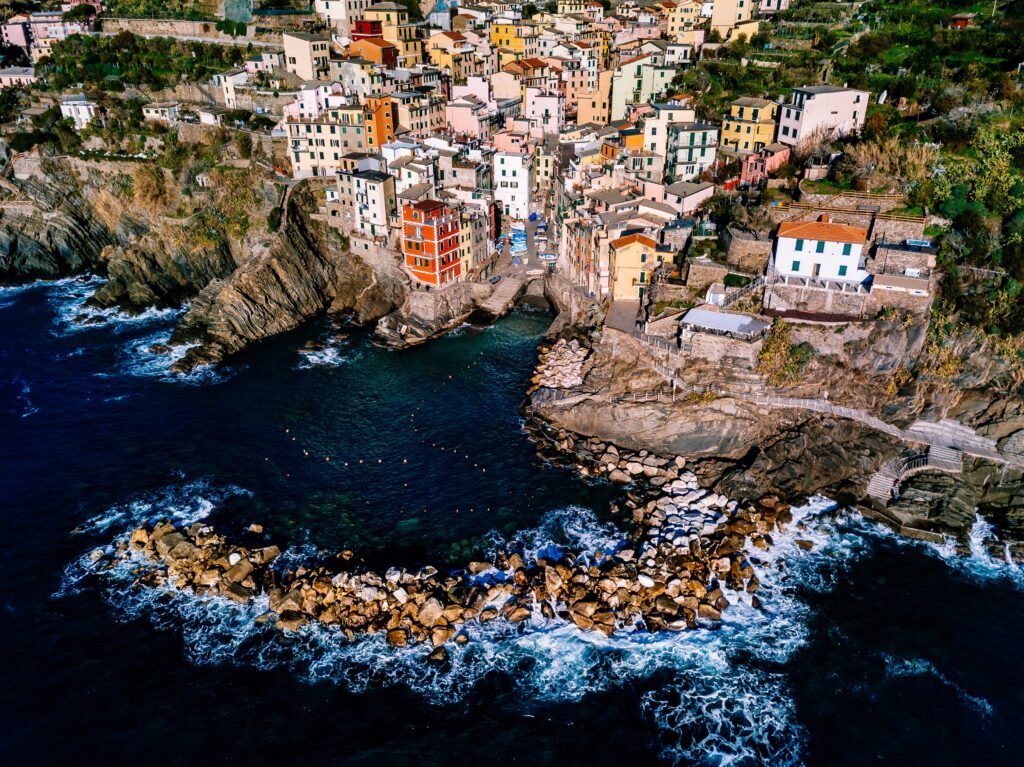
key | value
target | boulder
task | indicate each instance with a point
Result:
(397, 637)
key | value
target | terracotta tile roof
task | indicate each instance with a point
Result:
(634, 59)
(379, 42)
(631, 238)
(823, 229)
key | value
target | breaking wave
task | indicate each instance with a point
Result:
(72, 315)
(724, 701)
(153, 357)
(980, 563)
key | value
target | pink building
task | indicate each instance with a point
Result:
(469, 115)
(768, 7)
(758, 167)
(17, 32)
(17, 77)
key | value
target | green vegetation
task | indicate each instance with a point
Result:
(780, 361)
(112, 63)
(661, 307)
(735, 280)
(159, 9)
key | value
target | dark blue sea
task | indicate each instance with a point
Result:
(869, 650)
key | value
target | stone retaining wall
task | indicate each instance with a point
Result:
(184, 28)
(703, 274)
(787, 298)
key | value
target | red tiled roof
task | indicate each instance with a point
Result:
(823, 229)
(631, 238)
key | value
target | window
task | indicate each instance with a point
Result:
(847, 249)
(821, 246)
(799, 245)
(842, 271)
(796, 266)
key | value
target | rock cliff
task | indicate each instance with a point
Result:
(301, 273)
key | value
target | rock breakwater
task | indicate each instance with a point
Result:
(682, 563)
(560, 366)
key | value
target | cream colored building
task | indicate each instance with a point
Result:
(306, 55)
(316, 145)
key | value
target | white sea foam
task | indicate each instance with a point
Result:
(185, 503)
(722, 702)
(152, 356)
(27, 408)
(980, 563)
(71, 315)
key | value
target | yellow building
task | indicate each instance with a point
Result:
(507, 36)
(750, 125)
(396, 29)
(681, 19)
(632, 259)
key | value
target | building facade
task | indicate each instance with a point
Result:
(430, 243)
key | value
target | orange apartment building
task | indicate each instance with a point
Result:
(381, 119)
(430, 243)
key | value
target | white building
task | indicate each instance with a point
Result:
(546, 112)
(692, 149)
(228, 82)
(821, 113)
(78, 109)
(513, 181)
(370, 194)
(821, 250)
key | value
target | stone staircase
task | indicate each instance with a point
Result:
(935, 458)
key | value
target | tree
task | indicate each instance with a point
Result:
(530, 10)
(82, 12)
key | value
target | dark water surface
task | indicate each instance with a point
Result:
(869, 651)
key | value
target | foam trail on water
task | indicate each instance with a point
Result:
(903, 667)
(724, 701)
(153, 357)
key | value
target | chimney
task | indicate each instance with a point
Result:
(824, 218)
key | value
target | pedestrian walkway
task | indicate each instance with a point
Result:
(951, 434)
(622, 315)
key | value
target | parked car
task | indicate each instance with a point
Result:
(496, 279)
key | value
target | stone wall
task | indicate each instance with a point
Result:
(885, 299)
(183, 28)
(884, 202)
(747, 251)
(897, 230)
(703, 274)
(720, 350)
(790, 298)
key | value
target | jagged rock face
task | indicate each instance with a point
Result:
(300, 275)
(944, 500)
(50, 245)
(816, 455)
(153, 272)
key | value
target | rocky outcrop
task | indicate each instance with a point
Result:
(427, 314)
(687, 550)
(303, 272)
(162, 269)
(49, 229)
